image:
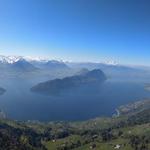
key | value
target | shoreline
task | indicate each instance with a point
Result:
(117, 113)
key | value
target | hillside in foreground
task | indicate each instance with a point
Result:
(129, 131)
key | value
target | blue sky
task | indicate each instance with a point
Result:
(77, 30)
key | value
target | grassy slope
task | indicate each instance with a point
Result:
(100, 145)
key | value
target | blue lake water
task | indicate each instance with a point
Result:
(82, 103)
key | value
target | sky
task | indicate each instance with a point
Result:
(77, 30)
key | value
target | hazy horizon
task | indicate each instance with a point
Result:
(47, 58)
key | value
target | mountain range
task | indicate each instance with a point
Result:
(44, 67)
(17, 66)
(11, 59)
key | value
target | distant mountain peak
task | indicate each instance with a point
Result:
(110, 62)
(12, 59)
(22, 64)
(9, 59)
(57, 65)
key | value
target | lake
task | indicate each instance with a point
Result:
(81, 103)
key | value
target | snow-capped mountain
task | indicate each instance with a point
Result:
(9, 59)
(28, 63)
(30, 59)
(44, 60)
(13, 59)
